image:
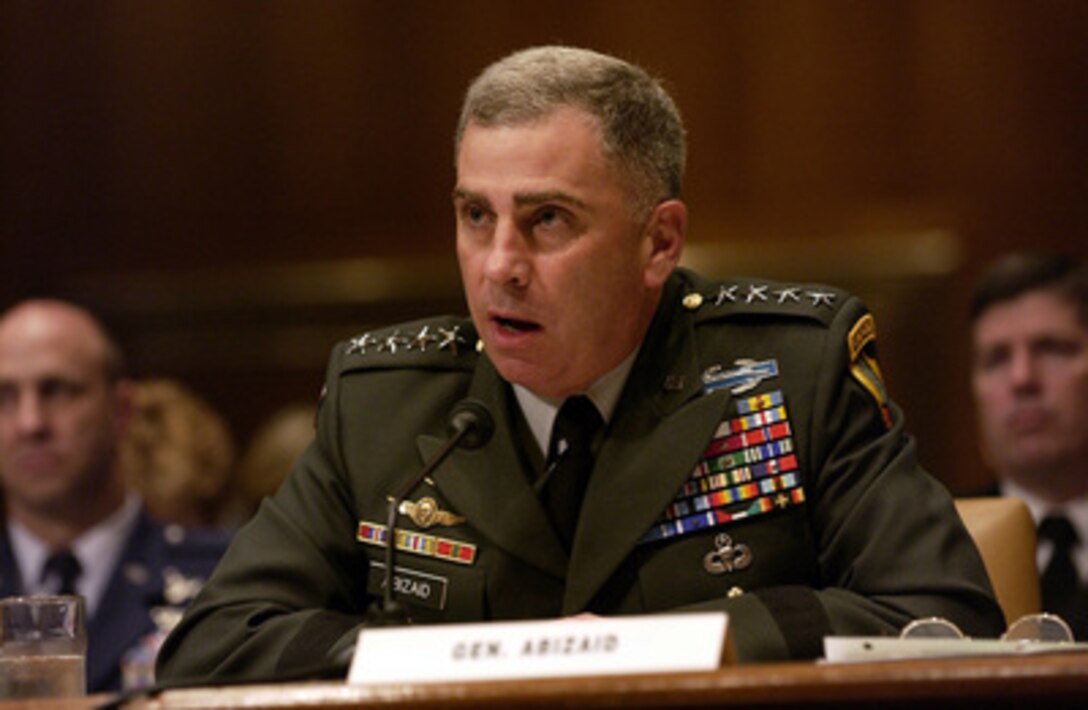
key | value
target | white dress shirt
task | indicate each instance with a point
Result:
(98, 551)
(605, 393)
(1077, 513)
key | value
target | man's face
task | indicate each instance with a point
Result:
(1030, 380)
(561, 280)
(60, 416)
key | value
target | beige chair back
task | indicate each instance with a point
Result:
(1005, 535)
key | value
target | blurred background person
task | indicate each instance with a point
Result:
(179, 454)
(268, 457)
(71, 523)
(1029, 317)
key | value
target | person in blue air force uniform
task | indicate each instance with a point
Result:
(662, 442)
(69, 524)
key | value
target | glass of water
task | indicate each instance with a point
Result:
(43, 647)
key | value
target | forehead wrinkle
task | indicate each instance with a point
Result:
(532, 199)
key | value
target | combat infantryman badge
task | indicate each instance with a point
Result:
(747, 375)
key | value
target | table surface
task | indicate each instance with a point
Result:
(1056, 679)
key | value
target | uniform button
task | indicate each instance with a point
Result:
(735, 592)
(174, 534)
(692, 301)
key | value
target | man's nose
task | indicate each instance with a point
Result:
(31, 416)
(508, 258)
(1024, 372)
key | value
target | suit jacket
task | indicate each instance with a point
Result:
(159, 570)
(753, 464)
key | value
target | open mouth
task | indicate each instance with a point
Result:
(513, 325)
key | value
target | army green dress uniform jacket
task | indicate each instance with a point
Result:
(752, 465)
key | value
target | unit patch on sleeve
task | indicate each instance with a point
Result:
(749, 468)
(861, 343)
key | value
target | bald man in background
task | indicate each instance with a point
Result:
(70, 524)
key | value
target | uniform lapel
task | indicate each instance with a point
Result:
(660, 428)
(489, 487)
(122, 618)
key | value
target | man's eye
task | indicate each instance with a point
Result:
(60, 390)
(549, 217)
(474, 214)
(1057, 347)
(991, 359)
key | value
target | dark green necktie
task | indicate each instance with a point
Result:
(570, 461)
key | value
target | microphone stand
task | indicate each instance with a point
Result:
(470, 425)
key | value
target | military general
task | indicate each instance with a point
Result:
(662, 442)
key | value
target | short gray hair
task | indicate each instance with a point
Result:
(641, 129)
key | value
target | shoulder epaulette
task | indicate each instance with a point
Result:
(747, 297)
(445, 341)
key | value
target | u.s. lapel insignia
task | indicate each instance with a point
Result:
(745, 377)
(726, 557)
(426, 514)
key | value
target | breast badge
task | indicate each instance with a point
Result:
(426, 514)
(726, 557)
(745, 377)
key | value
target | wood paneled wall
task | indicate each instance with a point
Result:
(235, 185)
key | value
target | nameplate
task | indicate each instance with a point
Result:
(862, 649)
(540, 649)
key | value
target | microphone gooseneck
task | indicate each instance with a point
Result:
(468, 426)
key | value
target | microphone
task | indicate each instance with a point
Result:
(468, 426)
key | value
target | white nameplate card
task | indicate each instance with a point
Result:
(855, 649)
(540, 649)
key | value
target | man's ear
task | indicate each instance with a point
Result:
(124, 404)
(665, 233)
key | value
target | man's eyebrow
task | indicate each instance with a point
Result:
(464, 195)
(527, 199)
(538, 198)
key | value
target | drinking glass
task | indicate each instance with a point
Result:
(43, 647)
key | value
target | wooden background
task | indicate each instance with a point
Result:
(236, 185)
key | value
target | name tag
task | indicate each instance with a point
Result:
(425, 589)
(540, 649)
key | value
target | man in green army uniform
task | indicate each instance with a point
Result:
(738, 452)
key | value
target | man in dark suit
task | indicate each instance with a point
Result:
(661, 442)
(1030, 379)
(70, 524)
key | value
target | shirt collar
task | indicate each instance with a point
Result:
(98, 551)
(1076, 511)
(604, 393)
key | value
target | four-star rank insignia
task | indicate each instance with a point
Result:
(439, 338)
